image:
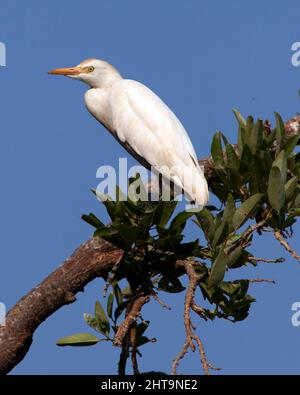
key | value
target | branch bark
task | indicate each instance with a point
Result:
(93, 259)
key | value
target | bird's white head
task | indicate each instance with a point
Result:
(94, 72)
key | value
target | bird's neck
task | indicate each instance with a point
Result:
(107, 81)
(96, 101)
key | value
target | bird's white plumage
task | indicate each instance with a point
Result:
(142, 120)
(145, 126)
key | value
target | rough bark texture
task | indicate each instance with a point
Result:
(93, 259)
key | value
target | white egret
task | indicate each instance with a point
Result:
(142, 123)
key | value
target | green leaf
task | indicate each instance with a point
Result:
(218, 269)
(249, 127)
(91, 219)
(239, 118)
(220, 190)
(240, 140)
(281, 163)
(163, 213)
(170, 284)
(108, 203)
(229, 209)
(139, 208)
(256, 136)
(103, 323)
(119, 310)
(290, 145)
(297, 198)
(118, 294)
(220, 234)
(225, 141)
(238, 257)
(228, 287)
(246, 160)
(206, 223)
(294, 213)
(78, 339)
(110, 303)
(232, 158)
(106, 232)
(276, 193)
(141, 327)
(217, 151)
(143, 340)
(178, 223)
(246, 210)
(127, 292)
(280, 131)
(127, 233)
(91, 321)
(290, 188)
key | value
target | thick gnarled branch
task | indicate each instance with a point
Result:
(92, 259)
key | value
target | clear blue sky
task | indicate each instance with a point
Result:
(203, 58)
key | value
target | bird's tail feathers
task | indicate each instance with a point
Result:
(194, 185)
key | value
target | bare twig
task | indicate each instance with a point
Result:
(204, 362)
(134, 349)
(199, 310)
(161, 302)
(246, 234)
(131, 318)
(261, 280)
(190, 334)
(264, 260)
(286, 245)
(181, 355)
(189, 298)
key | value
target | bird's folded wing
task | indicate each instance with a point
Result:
(144, 122)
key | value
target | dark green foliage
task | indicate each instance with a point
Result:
(256, 181)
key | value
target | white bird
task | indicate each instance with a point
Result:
(142, 123)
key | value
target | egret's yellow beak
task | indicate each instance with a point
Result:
(67, 71)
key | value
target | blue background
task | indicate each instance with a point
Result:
(202, 58)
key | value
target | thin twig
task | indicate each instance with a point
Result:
(246, 234)
(181, 355)
(189, 298)
(286, 245)
(261, 280)
(265, 260)
(190, 334)
(204, 362)
(161, 302)
(134, 350)
(198, 309)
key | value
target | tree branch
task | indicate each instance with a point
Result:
(93, 259)
(278, 236)
(131, 318)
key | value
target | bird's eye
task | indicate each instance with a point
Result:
(90, 69)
